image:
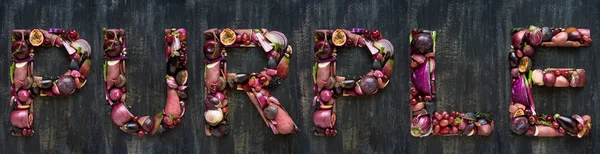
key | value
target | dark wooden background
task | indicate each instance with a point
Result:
(472, 74)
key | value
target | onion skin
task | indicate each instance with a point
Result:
(517, 38)
(213, 117)
(120, 114)
(19, 118)
(322, 118)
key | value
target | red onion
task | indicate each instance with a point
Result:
(326, 95)
(115, 94)
(19, 118)
(322, 118)
(23, 95)
(120, 114)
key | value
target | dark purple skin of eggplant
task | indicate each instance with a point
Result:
(568, 123)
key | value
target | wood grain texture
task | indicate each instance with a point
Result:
(472, 74)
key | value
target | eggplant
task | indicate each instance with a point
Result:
(568, 123)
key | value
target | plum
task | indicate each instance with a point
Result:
(422, 43)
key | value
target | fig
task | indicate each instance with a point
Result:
(323, 50)
(524, 64)
(66, 85)
(182, 77)
(121, 80)
(534, 36)
(546, 34)
(368, 85)
(112, 48)
(517, 39)
(283, 67)
(85, 68)
(388, 68)
(146, 122)
(574, 36)
(519, 125)
(422, 43)
(212, 49)
(270, 112)
(20, 49)
(528, 50)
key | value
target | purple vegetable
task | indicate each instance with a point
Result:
(421, 78)
(421, 124)
(422, 43)
(534, 36)
(519, 91)
(517, 39)
(519, 125)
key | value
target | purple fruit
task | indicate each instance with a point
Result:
(20, 49)
(528, 50)
(422, 43)
(66, 85)
(519, 125)
(368, 85)
(212, 49)
(112, 47)
(323, 49)
(547, 34)
(517, 39)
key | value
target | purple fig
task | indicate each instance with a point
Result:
(283, 67)
(528, 50)
(547, 34)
